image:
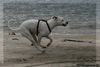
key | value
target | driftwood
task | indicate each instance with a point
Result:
(76, 40)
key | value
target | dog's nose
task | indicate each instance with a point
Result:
(65, 24)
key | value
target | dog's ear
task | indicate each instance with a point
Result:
(54, 17)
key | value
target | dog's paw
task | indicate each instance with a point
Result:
(31, 44)
(48, 44)
(44, 47)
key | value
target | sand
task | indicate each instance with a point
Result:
(66, 49)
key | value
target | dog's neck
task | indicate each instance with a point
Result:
(52, 23)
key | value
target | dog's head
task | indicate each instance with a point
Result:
(59, 21)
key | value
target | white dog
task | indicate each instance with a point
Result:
(35, 29)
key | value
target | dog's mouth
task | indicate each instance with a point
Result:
(65, 24)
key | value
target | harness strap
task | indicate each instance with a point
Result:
(38, 26)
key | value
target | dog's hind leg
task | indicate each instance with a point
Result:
(28, 35)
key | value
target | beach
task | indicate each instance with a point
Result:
(66, 49)
(73, 46)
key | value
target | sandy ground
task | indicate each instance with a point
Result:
(66, 49)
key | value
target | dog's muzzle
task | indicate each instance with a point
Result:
(65, 24)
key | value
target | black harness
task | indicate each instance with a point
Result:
(38, 26)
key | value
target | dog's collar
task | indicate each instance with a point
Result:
(45, 22)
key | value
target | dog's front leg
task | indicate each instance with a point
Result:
(35, 38)
(39, 41)
(50, 41)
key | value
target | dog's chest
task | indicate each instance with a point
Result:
(43, 28)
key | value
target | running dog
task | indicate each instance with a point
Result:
(34, 30)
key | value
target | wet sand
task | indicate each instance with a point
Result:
(66, 49)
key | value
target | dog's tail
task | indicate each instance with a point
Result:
(15, 30)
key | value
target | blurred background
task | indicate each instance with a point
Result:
(80, 14)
